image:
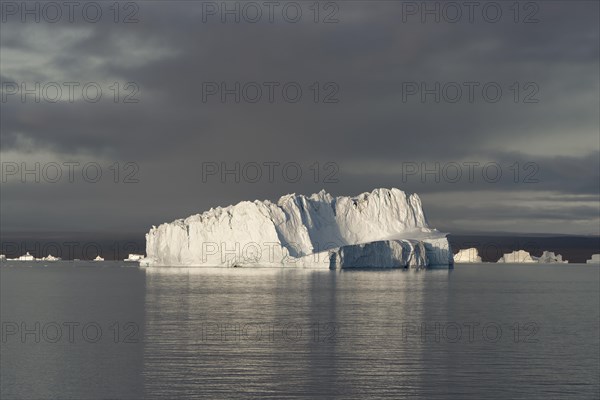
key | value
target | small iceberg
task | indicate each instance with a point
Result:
(98, 258)
(134, 258)
(466, 256)
(517, 257)
(548, 257)
(594, 260)
(26, 257)
(523, 257)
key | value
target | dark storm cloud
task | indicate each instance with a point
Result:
(369, 133)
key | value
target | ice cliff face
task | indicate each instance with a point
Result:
(319, 231)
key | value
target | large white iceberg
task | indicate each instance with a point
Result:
(383, 229)
(467, 256)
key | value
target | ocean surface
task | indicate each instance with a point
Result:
(82, 330)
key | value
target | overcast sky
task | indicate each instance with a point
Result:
(368, 115)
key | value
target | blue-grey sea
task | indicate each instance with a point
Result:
(110, 330)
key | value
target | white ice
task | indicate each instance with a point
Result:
(470, 255)
(318, 231)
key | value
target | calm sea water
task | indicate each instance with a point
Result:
(107, 330)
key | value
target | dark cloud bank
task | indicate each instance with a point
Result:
(362, 122)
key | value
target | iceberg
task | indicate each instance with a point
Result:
(518, 257)
(385, 228)
(98, 258)
(50, 257)
(521, 256)
(594, 260)
(26, 257)
(134, 258)
(470, 255)
(548, 257)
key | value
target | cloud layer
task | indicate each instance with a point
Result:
(383, 93)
